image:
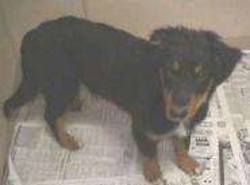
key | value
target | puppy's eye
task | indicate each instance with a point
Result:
(198, 70)
(176, 67)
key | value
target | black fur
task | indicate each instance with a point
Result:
(59, 55)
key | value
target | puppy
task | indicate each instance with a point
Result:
(164, 83)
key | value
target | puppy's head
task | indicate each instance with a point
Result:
(195, 63)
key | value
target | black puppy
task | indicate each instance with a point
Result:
(165, 83)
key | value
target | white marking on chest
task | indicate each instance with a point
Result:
(179, 131)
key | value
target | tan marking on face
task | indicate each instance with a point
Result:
(197, 68)
(197, 101)
(176, 66)
(168, 104)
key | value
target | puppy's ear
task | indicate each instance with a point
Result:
(225, 57)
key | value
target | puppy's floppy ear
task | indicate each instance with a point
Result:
(224, 57)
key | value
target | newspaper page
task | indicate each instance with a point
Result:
(108, 154)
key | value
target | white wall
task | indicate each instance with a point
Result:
(230, 18)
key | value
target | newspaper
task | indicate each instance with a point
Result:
(229, 171)
(108, 156)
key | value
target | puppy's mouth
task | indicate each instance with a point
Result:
(188, 103)
(174, 112)
(187, 111)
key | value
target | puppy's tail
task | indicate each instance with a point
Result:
(26, 91)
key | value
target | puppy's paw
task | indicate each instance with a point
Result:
(10, 114)
(188, 164)
(151, 170)
(68, 142)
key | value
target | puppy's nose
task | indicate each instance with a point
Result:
(181, 99)
(179, 113)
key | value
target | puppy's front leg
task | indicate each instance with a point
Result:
(183, 160)
(148, 148)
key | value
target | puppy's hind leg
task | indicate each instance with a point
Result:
(64, 139)
(57, 103)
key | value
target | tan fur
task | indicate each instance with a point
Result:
(183, 160)
(65, 140)
(151, 170)
(197, 101)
